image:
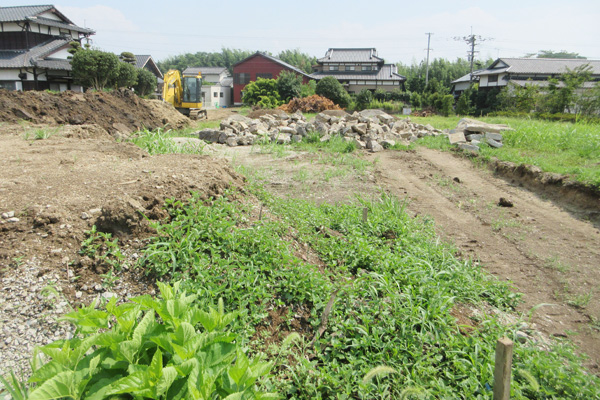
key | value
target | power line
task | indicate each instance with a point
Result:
(472, 40)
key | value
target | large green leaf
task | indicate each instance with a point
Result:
(136, 383)
(145, 326)
(219, 353)
(59, 386)
(129, 349)
(47, 371)
(168, 376)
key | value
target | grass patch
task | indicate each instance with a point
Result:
(161, 141)
(378, 307)
(566, 148)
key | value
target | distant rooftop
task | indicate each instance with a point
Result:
(350, 55)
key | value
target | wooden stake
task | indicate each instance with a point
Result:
(504, 351)
(365, 214)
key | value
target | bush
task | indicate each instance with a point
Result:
(148, 349)
(463, 106)
(289, 85)
(364, 98)
(146, 83)
(262, 93)
(332, 89)
(127, 75)
(308, 89)
(447, 102)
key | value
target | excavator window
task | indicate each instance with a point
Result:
(191, 90)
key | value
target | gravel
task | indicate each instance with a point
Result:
(30, 304)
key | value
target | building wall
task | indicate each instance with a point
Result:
(216, 96)
(357, 86)
(484, 81)
(256, 65)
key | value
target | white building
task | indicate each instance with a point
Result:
(217, 86)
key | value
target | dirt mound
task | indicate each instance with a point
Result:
(120, 111)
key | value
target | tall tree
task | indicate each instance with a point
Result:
(299, 60)
(94, 68)
(556, 54)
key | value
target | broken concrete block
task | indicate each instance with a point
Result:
(456, 138)
(493, 136)
(469, 147)
(494, 143)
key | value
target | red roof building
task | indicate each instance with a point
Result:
(259, 65)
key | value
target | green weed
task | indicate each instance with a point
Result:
(161, 142)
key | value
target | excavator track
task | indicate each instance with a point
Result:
(196, 114)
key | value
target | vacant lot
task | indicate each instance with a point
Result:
(61, 184)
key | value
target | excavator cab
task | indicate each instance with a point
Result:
(192, 94)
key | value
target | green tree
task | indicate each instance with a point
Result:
(146, 83)
(563, 97)
(589, 101)
(308, 89)
(447, 102)
(519, 98)
(226, 58)
(94, 68)
(126, 75)
(128, 57)
(332, 89)
(299, 60)
(463, 105)
(289, 85)
(364, 98)
(556, 54)
(262, 92)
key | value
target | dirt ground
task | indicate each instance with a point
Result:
(61, 185)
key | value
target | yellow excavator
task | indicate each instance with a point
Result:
(185, 93)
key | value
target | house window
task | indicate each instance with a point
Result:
(10, 85)
(221, 94)
(334, 68)
(215, 94)
(264, 75)
(241, 78)
(492, 78)
(350, 68)
(366, 68)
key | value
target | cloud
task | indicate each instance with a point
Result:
(99, 18)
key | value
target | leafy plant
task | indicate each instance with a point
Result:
(262, 92)
(149, 348)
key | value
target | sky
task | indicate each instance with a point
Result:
(397, 29)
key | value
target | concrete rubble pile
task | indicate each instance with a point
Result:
(469, 134)
(369, 129)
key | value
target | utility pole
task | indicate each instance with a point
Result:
(428, 48)
(472, 40)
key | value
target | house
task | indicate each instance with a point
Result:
(217, 86)
(531, 71)
(463, 83)
(33, 48)
(147, 62)
(259, 65)
(358, 69)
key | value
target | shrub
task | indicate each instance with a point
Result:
(127, 75)
(308, 89)
(94, 69)
(146, 83)
(263, 91)
(364, 98)
(446, 103)
(332, 89)
(289, 85)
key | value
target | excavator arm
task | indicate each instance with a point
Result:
(172, 89)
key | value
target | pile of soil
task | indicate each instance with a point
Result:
(120, 111)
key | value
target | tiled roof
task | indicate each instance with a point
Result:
(386, 73)
(546, 66)
(142, 60)
(351, 55)
(31, 14)
(467, 77)
(204, 70)
(20, 13)
(520, 82)
(276, 60)
(35, 56)
(58, 24)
